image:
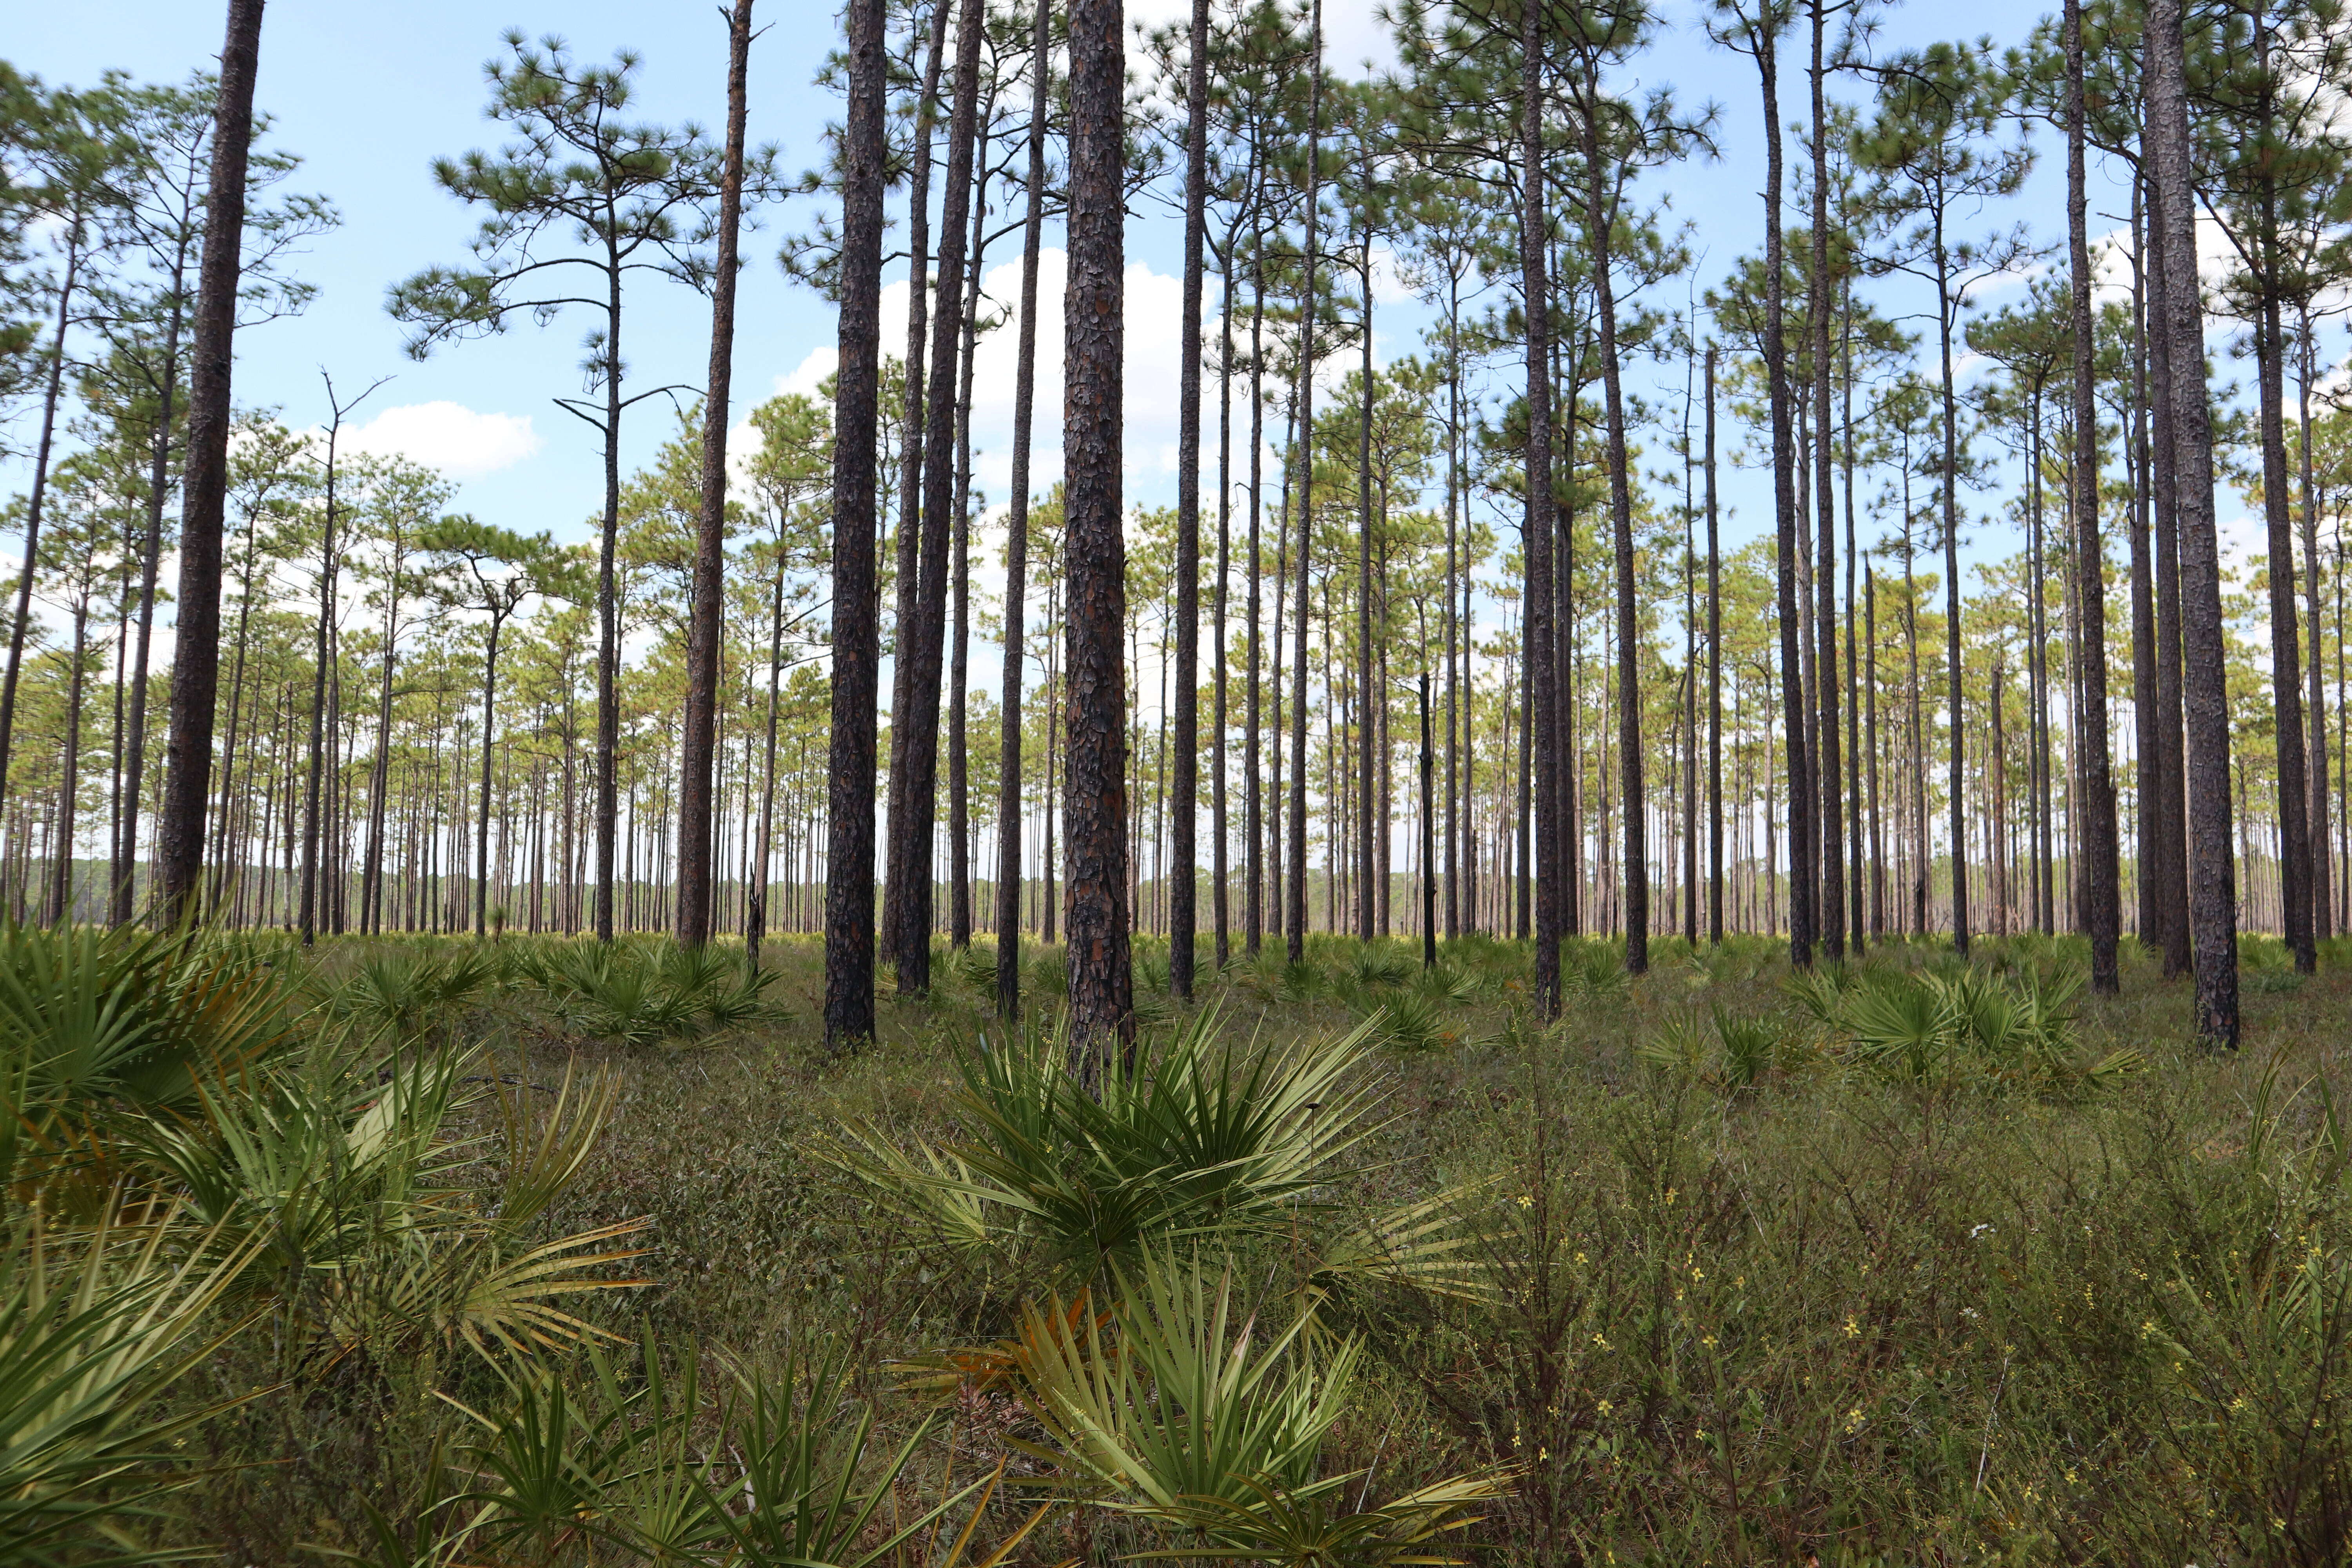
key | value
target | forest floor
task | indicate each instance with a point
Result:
(1744, 1270)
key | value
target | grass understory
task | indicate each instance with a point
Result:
(1919, 1261)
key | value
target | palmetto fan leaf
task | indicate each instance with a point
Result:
(1175, 1394)
(98, 1028)
(85, 1349)
(1178, 1408)
(1201, 1138)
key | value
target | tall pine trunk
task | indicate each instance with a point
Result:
(2171, 836)
(1369, 792)
(1302, 455)
(2095, 842)
(699, 737)
(1601, 214)
(1802, 923)
(2148, 778)
(2213, 868)
(1540, 725)
(1714, 680)
(1823, 758)
(1102, 1012)
(1016, 549)
(856, 631)
(195, 663)
(960, 647)
(914, 814)
(134, 762)
(1184, 888)
(908, 612)
(2322, 901)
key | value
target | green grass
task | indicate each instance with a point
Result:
(1746, 1290)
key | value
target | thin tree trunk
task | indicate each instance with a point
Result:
(1540, 724)
(699, 733)
(1183, 886)
(1368, 874)
(1295, 933)
(911, 459)
(2321, 903)
(150, 556)
(1221, 854)
(482, 834)
(2094, 843)
(906, 904)
(1016, 549)
(960, 648)
(62, 853)
(1825, 760)
(21, 617)
(1254, 796)
(2286, 659)
(2148, 773)
(1802, 914)
(1714, 680)
(2171, 836)
(1600, 213)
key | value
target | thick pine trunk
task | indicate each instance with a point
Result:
(195, 664)
(1102, 1012)
(2213, 868)
(856, 634)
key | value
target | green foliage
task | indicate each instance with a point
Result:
(100, 1030)
(1970, 1024)
(1196, 1138)
(95, 1329)
(1174, 1407)
(640, 995)
(1198, 1141)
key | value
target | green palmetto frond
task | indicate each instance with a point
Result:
(85, 1347)
(1176, 1394)
(1202, 1139)
(640, 997)
(796, 1479)
(546, 1144)
(1177, 1409)
(1320, 1530)
(102, 1029)
(1424, 1243)
(400, 995)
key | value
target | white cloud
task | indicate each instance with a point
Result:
(808, 376)
(450, 436)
